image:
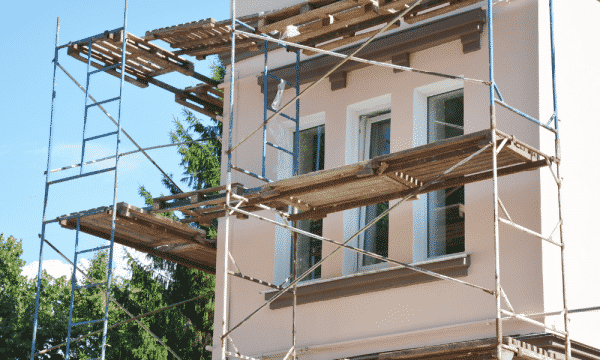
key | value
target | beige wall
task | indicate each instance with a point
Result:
(418, 315)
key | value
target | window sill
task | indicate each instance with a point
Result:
(366, 282)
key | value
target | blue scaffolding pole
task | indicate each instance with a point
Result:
(106, 284)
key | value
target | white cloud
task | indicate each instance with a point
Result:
(58, 268)
(54, 268)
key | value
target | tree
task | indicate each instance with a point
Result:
(190, 326)
(13, 343)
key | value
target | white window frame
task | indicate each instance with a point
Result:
(283, 245)
(353, 155)
(420, 130)
(365, 145)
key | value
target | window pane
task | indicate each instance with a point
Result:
(445, 208)
(375, 239)
(311, 158)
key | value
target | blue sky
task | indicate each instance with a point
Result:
(27, 42)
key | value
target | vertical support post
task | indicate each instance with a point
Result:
(493, 126)
(559, 184)
(87, 87)
(297, 142)
(73, 285)
(41, 257)
(116, 185)
(224, 275)
(294, 289)
(265, 95)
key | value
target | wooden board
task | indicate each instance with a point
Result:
(150, 233)
(143, 58)
(334, 22)
(384, 178)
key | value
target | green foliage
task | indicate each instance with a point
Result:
(217, 70)
(14, 340)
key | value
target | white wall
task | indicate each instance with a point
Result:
(578, 85)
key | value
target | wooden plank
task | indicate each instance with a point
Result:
(319, 213)
(183, 101)
(346, 41)
(313, 15)
(179, 29)
(221, 49)
(113, 72)
(360, 19)
(421, 13)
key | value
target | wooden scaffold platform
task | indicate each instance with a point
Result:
(149, 233)
(386, 177)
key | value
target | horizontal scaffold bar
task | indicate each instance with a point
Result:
(533, 322)
(81, 176)
(128, 153)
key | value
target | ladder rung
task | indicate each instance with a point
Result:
(90, 285)
(105, 68)
(94, 249)
(102, 102)
(87, 322)
(280, 148)
(101, 136)
(282, 114)
(80, 176)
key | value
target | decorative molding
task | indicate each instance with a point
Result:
(328, 289)
(338, 80)
(401, 60)
(466, 27)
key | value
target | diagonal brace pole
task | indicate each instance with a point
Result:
(115, 301)
(124, 132)
(45, 351)
(344, 244)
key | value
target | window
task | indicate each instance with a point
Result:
(311, 158)
(375, 130)
(445, 208)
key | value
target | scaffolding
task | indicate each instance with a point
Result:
(445, 164)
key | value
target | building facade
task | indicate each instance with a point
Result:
(355, 305)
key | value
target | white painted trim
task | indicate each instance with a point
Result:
(420, 138)
(351, 217)
(284, 132)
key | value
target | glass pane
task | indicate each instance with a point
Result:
(445, 208)
(311, 158)
(375, 239)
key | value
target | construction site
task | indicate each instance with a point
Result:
(390, 188)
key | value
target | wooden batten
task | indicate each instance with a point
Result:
(153, 234)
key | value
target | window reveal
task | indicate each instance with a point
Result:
(311, 158)
(375, 239)
(445, 208)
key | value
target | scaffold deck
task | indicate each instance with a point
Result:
(149, 233)
(325, 24)
(143, 60)
(380, 179)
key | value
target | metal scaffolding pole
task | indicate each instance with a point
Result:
(225, 258)
(46, 188)
(558, 155)
(493, 126)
